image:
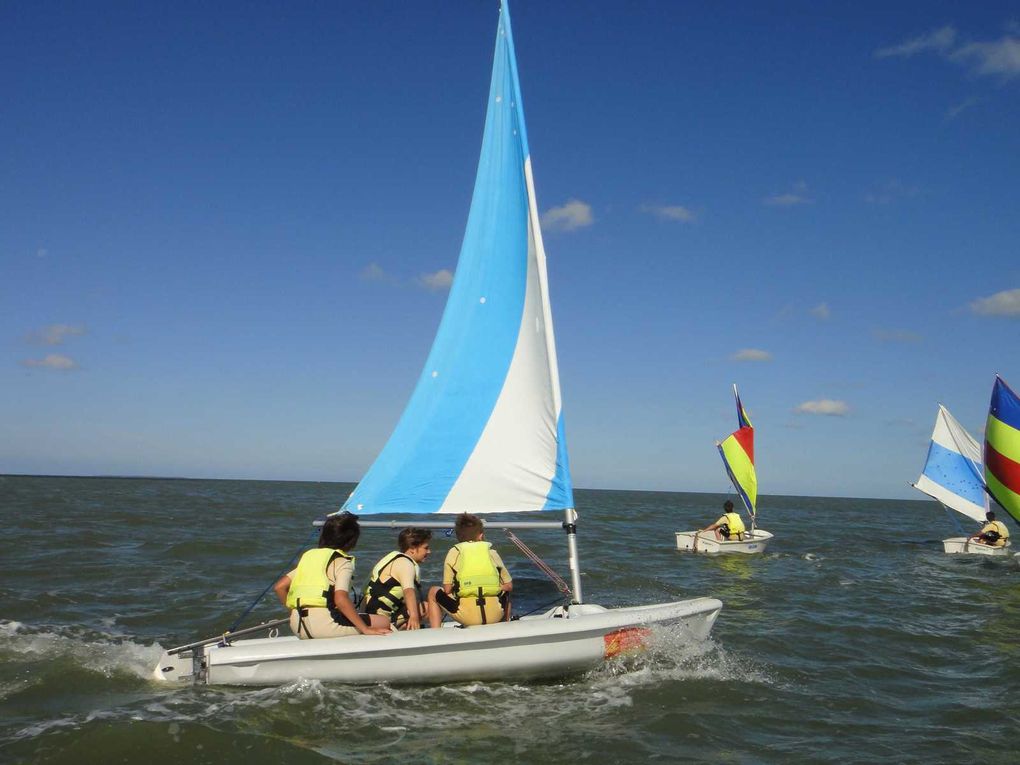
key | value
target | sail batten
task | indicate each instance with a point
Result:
(483, 430)
(952, 472)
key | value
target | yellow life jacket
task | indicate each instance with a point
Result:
(388, 595)
(310, 588)
(736, 524)
(476, 574)
(1000, 528)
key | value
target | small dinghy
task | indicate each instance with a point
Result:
(737, 452)
(953, 475)
(482, 433)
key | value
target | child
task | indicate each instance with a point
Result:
(476, 585)
(394, 588)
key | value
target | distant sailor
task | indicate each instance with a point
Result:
(730, 525)
(476, 585)
(394, 588)
(993, 533)
(318, 590)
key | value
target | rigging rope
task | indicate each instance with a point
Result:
(539, 563)
(255, 602)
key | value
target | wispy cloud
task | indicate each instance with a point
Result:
(55, 334)
(891, 191)
(573, 215)
(955, 111)
(993, 58)
(797, 196)
(1001, 57)
(1005, 303)
(939, 40)
(51, 361)
(439, 280)
(896, 336)
(373, 272)
(671, 212)
(751, 354)
(821, 312)
(42, 252)
(824, 406)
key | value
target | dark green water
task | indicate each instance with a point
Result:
(854, 639)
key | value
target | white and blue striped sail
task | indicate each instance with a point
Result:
(952, 473)
(483, 430)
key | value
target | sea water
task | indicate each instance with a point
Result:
(852, 639)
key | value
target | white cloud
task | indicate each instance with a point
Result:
(373, 272)
(992, 58)
(821, 311)
(939, 40)
(1001, 57)
(671, 212)
(896, 336)
(955, 111)
(573, 215)
(55, 334)
(798, 196)
(751, 354)
(51, 361)
(823, 406)
(440, 280)
(1005, 303)
(42, 252)
(891, 191)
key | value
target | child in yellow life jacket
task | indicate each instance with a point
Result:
(394, 588)
(476, 585)
(993, 533)
(730, 525)
(318, 590)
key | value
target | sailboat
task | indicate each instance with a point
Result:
(483, 432)
(952, 476)
(1002, 449)
(737, 452)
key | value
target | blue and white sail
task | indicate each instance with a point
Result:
(483, 430)
(952, 473)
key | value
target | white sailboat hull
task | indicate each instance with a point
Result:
(968, 546)
(548, 645)
(704, 542)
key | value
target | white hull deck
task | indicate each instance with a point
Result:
(548, 645)
(967, 546)
(705, 542)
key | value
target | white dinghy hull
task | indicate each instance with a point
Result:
(548, 645)
(754, 542)
(968, 546)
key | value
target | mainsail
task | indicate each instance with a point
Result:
(952, 471)
(1002, 448)
(737, 452)
(483, 430)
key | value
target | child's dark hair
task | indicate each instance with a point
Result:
(728, 506)
(412, 537)
(340, 532)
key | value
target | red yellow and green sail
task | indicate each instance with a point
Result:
(1002, 448)
(737, 452)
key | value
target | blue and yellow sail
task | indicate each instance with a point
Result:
(1002, 448)
(737, 452)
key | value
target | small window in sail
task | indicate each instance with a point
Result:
(435, 373)
(481, 300)
(499, 99)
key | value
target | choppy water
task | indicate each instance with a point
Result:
(854, 639)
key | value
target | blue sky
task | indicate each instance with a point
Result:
(226, 230)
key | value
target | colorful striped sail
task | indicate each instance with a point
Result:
(737, 452)
(483, 430)
(952, 472)
(1002, 448)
